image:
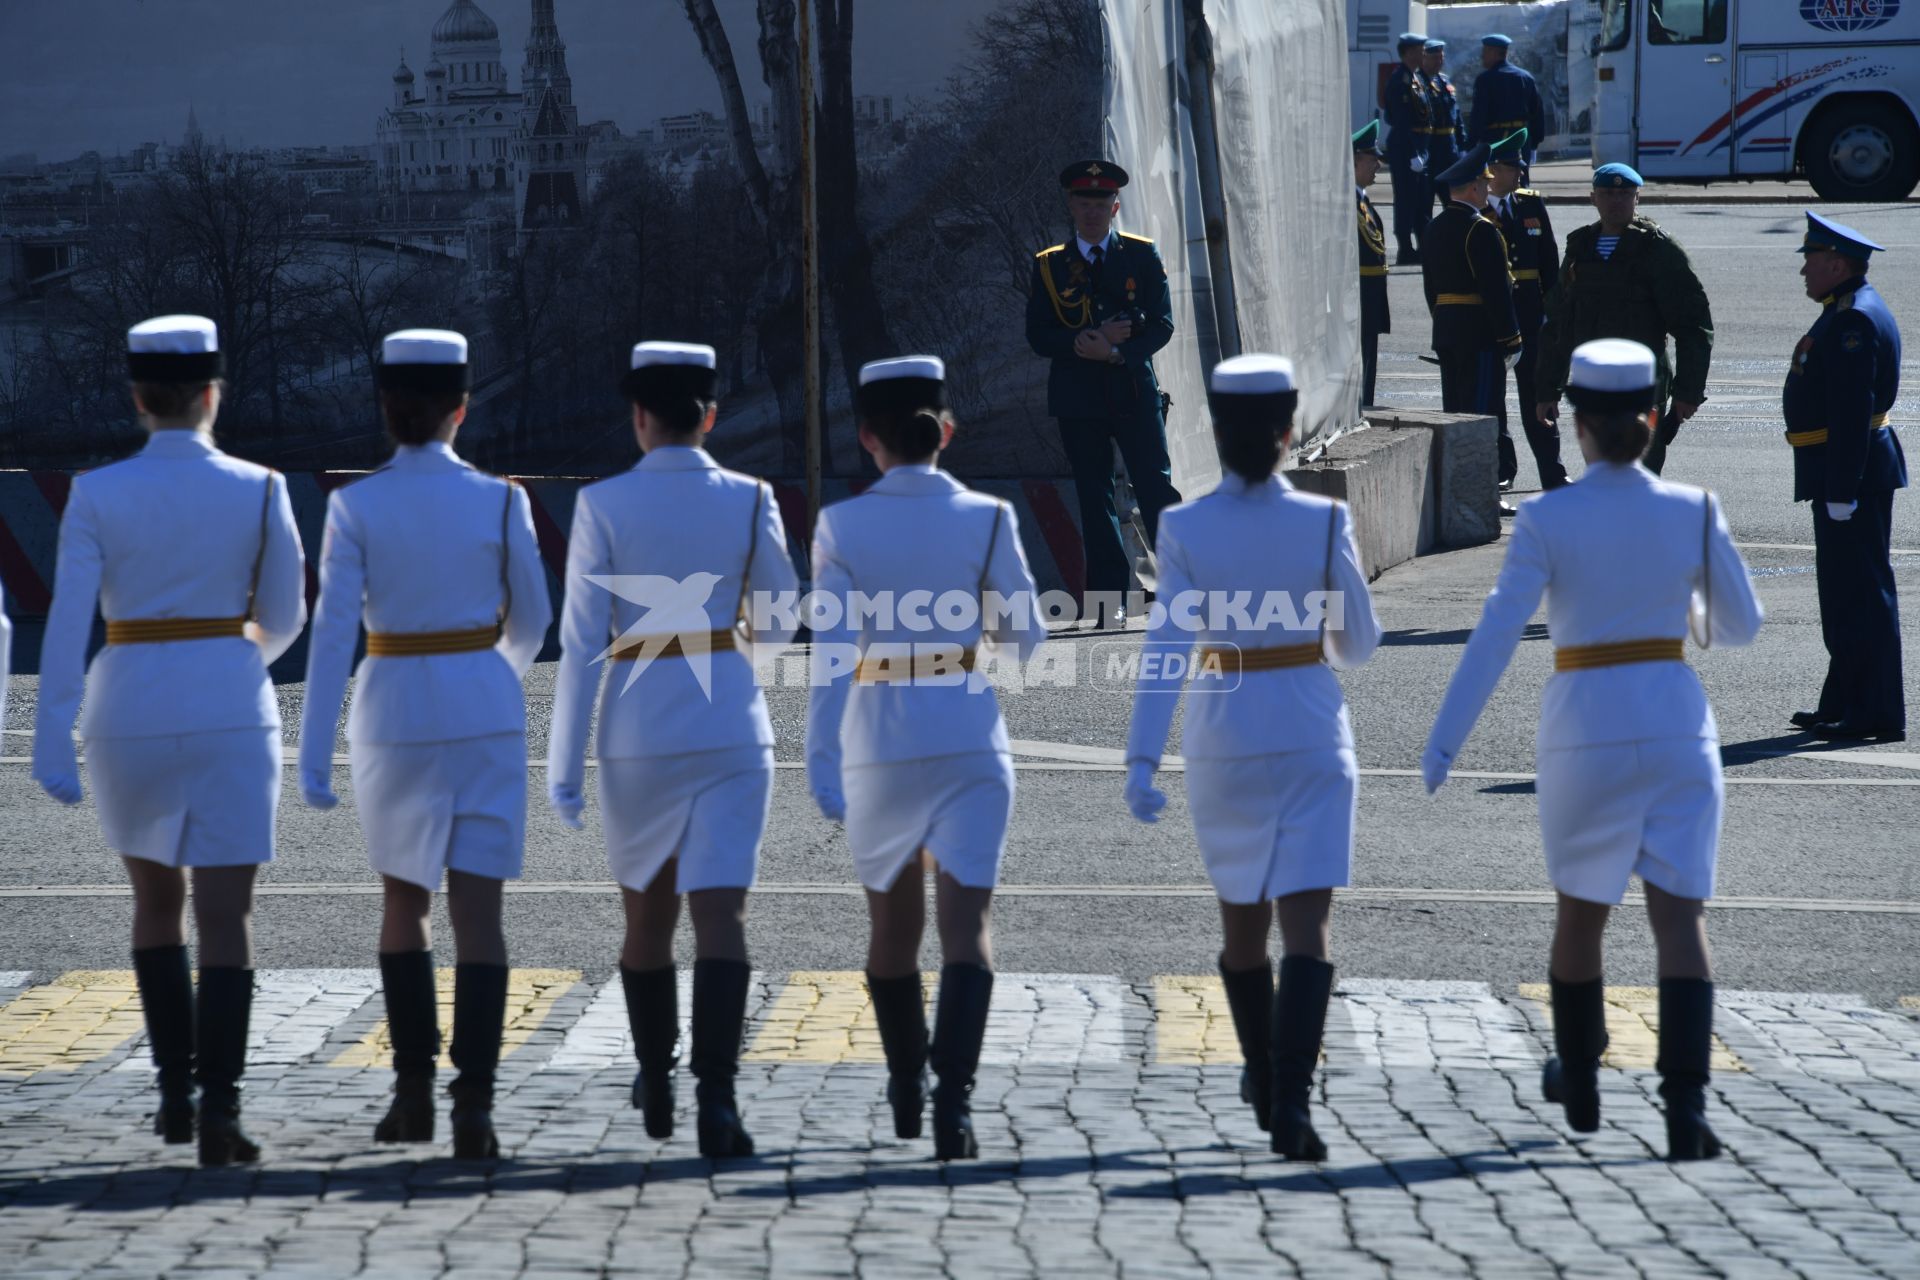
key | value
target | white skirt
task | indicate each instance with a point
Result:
(708, 809)
(955, 807)
(1276, 824)
(204, 799)
(429, 807)
(1651, 809)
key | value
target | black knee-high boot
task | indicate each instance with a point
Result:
(413, 1028)
(653, 1015)
(1572, 1076)
(1686, 1046)
(1250, 997)
(902, 1016)
(479, 1016)
(166, 997)
(1299, 1025)
(220, 1025)
(719, 1020)
(959, 1025)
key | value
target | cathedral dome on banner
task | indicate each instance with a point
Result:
(464, 23)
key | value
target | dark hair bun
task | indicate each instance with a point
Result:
(1247, 431)
(1619, 436)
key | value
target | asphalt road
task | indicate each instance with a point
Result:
(1820, 890)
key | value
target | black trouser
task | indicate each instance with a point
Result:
(1543, 437)
(1089, 444)
(1369, 364)
(1664, 430)
(1474, 380)
(1859, 614)
(1412, 209)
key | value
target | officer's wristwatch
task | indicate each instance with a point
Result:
(1114, 356)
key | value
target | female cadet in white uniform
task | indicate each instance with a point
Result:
(1271, 776)
(904, 741)
(1628, 769)
(685, 744)
(194, 560)
(441, 561)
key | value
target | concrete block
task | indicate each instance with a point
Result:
(1382, 476)
(1464, 492)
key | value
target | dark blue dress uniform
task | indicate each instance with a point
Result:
(1375, 318)
(1446, 133)
(1841, 386)
(1470, 293)
(1409, 118)
(1535, 258)
(1101, 405)
(1505, 100)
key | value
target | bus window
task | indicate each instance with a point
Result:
(1615, 26)
(1686, 21)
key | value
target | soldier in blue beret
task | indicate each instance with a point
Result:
(1409, 124)
(1098, 309)
(1374, 316)
(1446, 133)
(1847, 461)
(1505, 99)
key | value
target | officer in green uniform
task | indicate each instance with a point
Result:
(1098, 309)
(1623, 277)
(1535, 256)
(1374, 316)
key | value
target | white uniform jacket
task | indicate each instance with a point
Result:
(916, 536)
(688, 539)
(417, 546)
(174, 531)
(1256, 566)
(1620, 555)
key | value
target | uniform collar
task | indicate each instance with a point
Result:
(178, 442)
(915, 478)
(1234, 484)
(1845, 289)
(1105, 246)
(676, 457)
(432, 455)
(1615, 473)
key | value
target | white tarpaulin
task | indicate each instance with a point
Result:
(1286, 170)
(1539, 32)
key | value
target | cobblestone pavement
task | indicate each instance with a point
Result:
(1108, 1112)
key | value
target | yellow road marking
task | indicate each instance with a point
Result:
(75, 1019)
(530, 997)
(1633, 1027)
(822, 1016)
(1192, 1023)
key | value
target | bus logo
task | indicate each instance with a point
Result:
(1849, 15)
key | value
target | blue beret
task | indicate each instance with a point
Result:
(1496, 41)
(1468, 168)
(1433, 45)
(1823, 233)
(1410, 40)
(1610, 177)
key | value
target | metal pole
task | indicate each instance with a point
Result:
(809, 266)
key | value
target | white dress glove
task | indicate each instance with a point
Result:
(567, 803)
(57, 768)
(63, 786)
(1435, 764)
(1144, 799)
(1842, 511)
(1418, 164)
(833, 805)
(1512, 358)
(316, 789)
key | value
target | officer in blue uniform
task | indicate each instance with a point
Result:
(1841, 385)
(1404, 99)
(1375, 318)
(1098, 309)
(1535, 258)
(1446, 133)
(1505, 99)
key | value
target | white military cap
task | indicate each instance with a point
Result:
(1253, 375)
(432, 361)
(1611, 375)
(174, 349)
(694, 355)
(929, 368)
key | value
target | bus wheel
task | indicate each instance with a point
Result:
(1866, 153)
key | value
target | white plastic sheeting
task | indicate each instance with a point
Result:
(1280, 83)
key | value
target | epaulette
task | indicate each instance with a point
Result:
(1525, 191)
(1128, 235)
(1050, 249)
(94, 471)
(1649, 226)
(348, 484)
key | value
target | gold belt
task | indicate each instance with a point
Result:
(899, 668)
(1801, 439)
(427, 644)
(1505, 124)
(1586, 657)
(1231, 661)
(1459, 300)
(1373, 271)
(162, 630)
(1435, 132)
(1526, 275)
(677, 646)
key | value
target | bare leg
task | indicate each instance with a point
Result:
(652, 914)
(719, 923)
(1679, 934)
(1244, 927)
(159, 904)
(406, 919)
(1577, 935)
(473, 907)
(223, 916)
(898, 916)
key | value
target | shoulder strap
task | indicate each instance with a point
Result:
(753, 545)
(260, 552)
(1704, 636)
(1333, 534)
(506, 580)
(993, 537)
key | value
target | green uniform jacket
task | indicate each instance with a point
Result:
(1065, 300)
(1646, 291)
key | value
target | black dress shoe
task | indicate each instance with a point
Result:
(1854, 731)
(1807, 719)
(1506, 511)
(1506, 486)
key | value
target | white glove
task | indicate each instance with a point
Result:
(1512, 358)
(833, 805)
(316, 788)
(1842, 511)
(1418, 164)
(1435, 764)
(1143, 798)
(567, 802)
(63, 786)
